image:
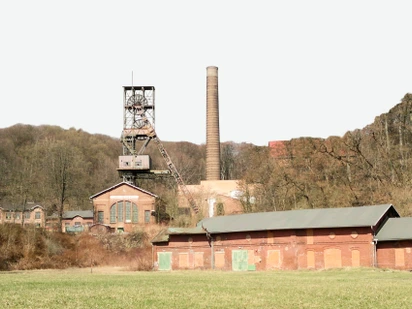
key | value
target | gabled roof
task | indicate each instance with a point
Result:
(81, 213)
(363, 216)
(163, 236)
(396, 229)
(120, 184)
(28, 207)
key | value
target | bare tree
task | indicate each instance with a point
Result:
(63, 165)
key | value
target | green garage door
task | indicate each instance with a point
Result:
(165, 260)
(239, 260)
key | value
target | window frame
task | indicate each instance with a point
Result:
(124, 211)
(147, 216)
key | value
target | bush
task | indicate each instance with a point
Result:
(34, 248)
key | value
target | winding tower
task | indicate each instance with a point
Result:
(139, 129)
(138, 123)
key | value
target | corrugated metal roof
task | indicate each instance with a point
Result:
(163, 236)
(395, 229)
(298, 219)
(178, 230)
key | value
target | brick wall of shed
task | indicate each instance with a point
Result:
(287, 250)
(188, 252)
(394, 255)
(294, 249)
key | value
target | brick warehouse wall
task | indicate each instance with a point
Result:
(187, 252)
(395, 255)
(288, 250)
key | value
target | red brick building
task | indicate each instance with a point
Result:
(123, 207)
(77, 221)
(31, 214)
(394, 244)
(297, 239)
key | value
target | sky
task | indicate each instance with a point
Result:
(286, 69)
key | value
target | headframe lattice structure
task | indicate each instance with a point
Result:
(138, 116)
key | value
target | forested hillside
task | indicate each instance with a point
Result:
(52, 166)
(368, 166)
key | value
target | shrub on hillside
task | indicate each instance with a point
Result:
(34, 248)
(10, 245)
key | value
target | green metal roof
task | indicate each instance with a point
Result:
(163, 236)
(363, 216)
(181, 230)
(395, 229)
(299, 219)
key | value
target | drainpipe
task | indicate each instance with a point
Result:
(374, 241)
(211, 244)
(153, 257)
(212, 259)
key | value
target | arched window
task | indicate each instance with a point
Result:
(135, 217)
(124, 211)
(120, 212)
(128, 211)
(113, 214)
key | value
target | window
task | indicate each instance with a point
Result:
(18, 216)
(128, 211)
(113, 214)
(37, 215)
(27, 215)
(120, 212)
(8, 215)
(135, 217)
(147, 216)
(77, 223)
(124, 211)
(100, 216)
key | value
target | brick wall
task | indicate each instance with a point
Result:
(395, 254)
(145, 204)
(289, 249)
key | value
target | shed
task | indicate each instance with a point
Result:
(394, 244)
(294, 239)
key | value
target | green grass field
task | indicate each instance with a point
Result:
(99, 288)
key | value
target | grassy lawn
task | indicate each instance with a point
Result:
(83, 288)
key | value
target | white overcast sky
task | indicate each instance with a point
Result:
(287, 69)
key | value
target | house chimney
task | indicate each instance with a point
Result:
(212, 125)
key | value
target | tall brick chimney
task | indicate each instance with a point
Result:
(212, 125)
